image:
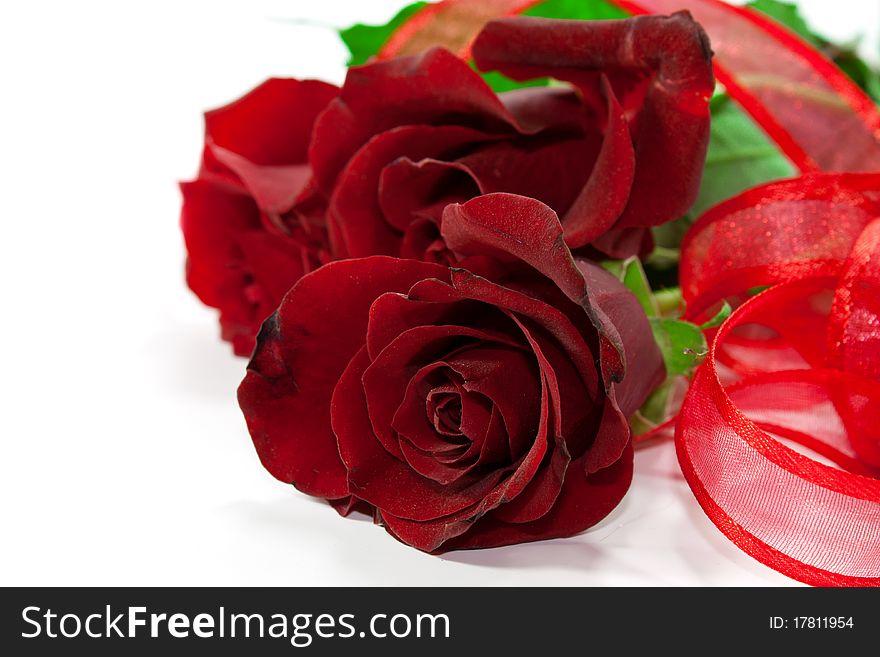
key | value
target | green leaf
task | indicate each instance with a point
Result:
(364, 41)
(719, 317)
(580, 9)
(860, 73)
(844, 55)
(630, 273)
(664, 257)
(652, 411)
(669, 301)
(500, 82)
(787, 13)
(682, 344)
(660, 405)
(740, 156)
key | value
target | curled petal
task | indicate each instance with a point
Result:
(358, 227)
(661, 68)
(606, 193)
(583, 501)
(811, 108)
(387, 481)
(525, 229)
(410, 189)
(271, 125)
(419, 90)
(386, 378)
(233, 263)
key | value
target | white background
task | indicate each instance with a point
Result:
(125, 459)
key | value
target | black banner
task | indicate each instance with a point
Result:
(334, 621)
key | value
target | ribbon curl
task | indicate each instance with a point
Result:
(798, 364)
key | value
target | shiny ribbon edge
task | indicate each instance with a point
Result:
(707, 383)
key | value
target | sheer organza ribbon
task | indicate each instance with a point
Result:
(779, 434)
(799, 364)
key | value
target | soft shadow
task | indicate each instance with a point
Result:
(564, 553)
(579, 553)
(352, 546)
(191, 361)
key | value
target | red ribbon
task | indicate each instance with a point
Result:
(799, 364)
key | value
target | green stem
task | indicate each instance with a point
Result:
(663, 256)
(668, 300)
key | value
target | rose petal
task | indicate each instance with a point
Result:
(234, 263)
(394, 314)
(550, 108)
(274, 188)
(583, 501)
(407, 188)
(345, 505)
(359, 228)
(428, 465)
(523, 228)
(606, 193)
(274, 261)
(212, 218)
(661, 68)
(379, 478)
(301, 352)
(433, 87)
(271, 125)
(468, 286)
(536, 498)
(386, 378)
(550, 167)
(430, 535)
(622, 243)
(621, 309)
(412, 421)
(511, 380)
(422, 240)
(612, 438)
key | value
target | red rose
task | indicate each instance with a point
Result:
(467, 407)
(620, 151)
(251, 220)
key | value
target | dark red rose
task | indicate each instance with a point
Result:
(465, 407)
(252, 222)
(619, 150)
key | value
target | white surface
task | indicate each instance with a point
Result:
(125, 459)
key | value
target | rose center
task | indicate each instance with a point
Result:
(444, 412)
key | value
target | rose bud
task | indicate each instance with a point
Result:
(251, 220)
(465, 407)
(618, 150)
